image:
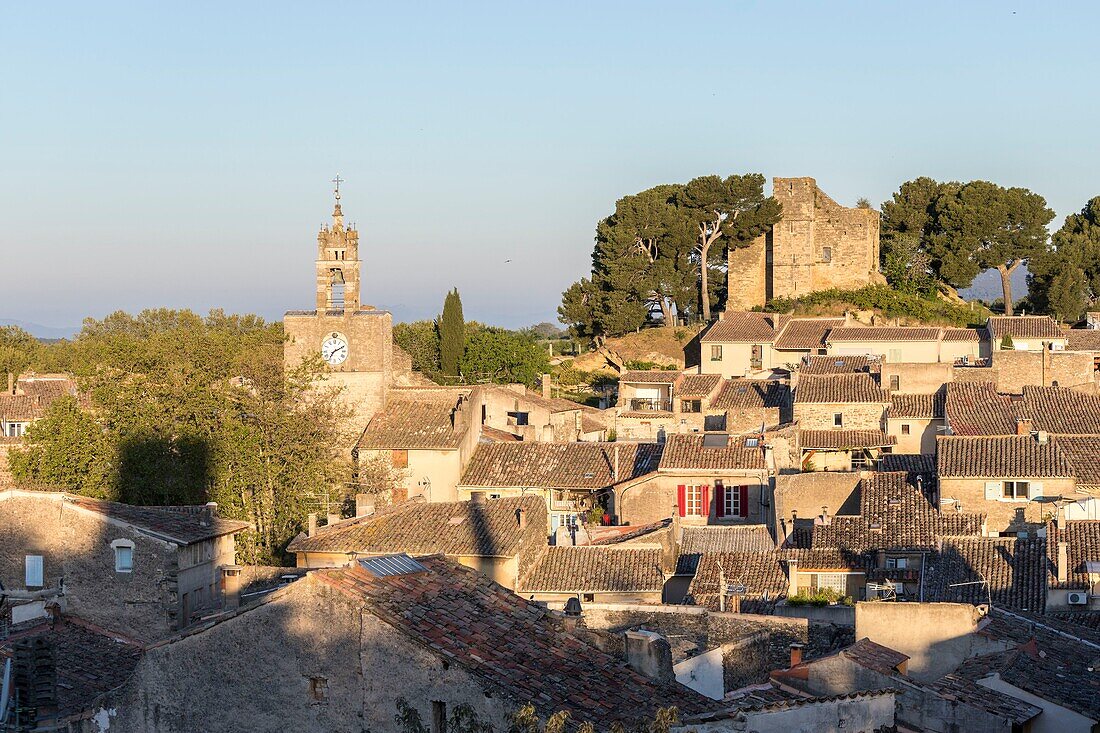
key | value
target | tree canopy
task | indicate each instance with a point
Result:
(452, 334)
(498, 355)
(1064, 280)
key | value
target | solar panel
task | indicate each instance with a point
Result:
(389, 565)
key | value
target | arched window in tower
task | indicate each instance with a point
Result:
(336, 289)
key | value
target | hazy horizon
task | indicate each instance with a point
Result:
(182, 156)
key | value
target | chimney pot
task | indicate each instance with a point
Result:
(521, 518)
(1023, 426)
(1063, 562)
(796, 654)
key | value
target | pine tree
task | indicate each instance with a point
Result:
(452, 334)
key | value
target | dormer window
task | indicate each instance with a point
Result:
(124, 555)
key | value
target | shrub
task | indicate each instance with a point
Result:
(890, 302)
(819, 598)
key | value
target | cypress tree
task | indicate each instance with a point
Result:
(452, 334)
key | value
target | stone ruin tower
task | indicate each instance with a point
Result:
(816, 245)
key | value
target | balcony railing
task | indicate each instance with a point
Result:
(650, 405)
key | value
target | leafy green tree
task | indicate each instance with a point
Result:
(420, 340)
(907, 267)
(863, 203)
(1064, 280)
(498, 355)
(18, 350)
(912, 210)
(727, 212)
(71, 453)
(982, 225)
(452, 334)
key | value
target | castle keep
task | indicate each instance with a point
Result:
(816, 245)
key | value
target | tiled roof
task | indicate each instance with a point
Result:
(182, 525)
(1003, 707)
(512, 646)
(1060, 410)
(21, 408)
(1083, 339)
(839, 388)
(742, 393)
(918, 464)
(686, 452)
(747, 326)
(698, 385)
(965, 334)
(844, 439)
(884, 333)
(1024, 327)
(836, 364)
(599, 569)
(975, 408)
(47, 386)
(417, 419)
(1000, 457)
(626, 534)
(722, 540)
(559, 465)
(973, 570)
(1083, 454)
(764, 573)
(464, 528)
(806, 333)
(653, 376)
(90, 662)
(1082, 538)
(917, 405)
(495, 435)
(877, 657)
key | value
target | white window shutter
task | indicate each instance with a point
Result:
(993, 490)
(34, 571)
(1034, 489)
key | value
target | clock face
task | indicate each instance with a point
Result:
(334, 350)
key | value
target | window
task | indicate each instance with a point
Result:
(124, 556)
(15, 429)
(905, 428)
(756, 360)
(897, 563)
(694, 501)
(716, 352)
(731, 501)
(838, 419)
(318, 689)
(1016, 489)
(691, 406)
(34, 571)
(833, 581)
(399, 458)
(895, 381)
(519, 418)
(439, 717)
(826, 254)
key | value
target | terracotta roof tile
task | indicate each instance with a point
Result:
(599, 569)
(559, 465)
(877, 657)
(747, 326)
(451, 528)
(974, 569)
(653, 376)
(803, 334)
(920, 464)
(686, 451)
(1082, 538)
(1000, 457)
(417, 419)
(21, 408)
(722, 540)
(839, 388)
(1060, 410)
(1083, 339)
(965, 334)
(917, 405)
(844, 439)
(698, 385)
(842, 364)
(883, 333)
(763, 574)
(1024, 327)
(1083, 454)
(975, 408)
(1005, 707)
(741, 393)
(513, 646)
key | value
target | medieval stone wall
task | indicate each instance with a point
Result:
(856, 415)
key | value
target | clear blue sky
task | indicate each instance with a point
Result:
(180, 154)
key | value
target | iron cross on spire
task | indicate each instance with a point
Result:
(338, 180)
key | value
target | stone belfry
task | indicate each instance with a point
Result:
(337, 263)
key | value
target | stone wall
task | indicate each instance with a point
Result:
(1004, 516)
(801, 496)
(747, 276)
(856, 415)
(916, 378)
(1014, 369)
(656, 498)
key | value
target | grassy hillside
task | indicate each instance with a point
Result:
(884, 301)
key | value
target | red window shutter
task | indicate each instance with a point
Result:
(719, 499)
(681, 499)
(744, 503)
(704, 508)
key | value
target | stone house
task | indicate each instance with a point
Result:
(703, 478)
(894, 344)
(655, 403)
(1085, 340)
(426, 436)
(1027, 333)
(965, 345)
(914, 421)
(757, 581)
(749, 406)
(532, 417)
(318, 655)
(1007, 478)
(501, 538)
(693, 542)
(598, 574)
(840, 419)
(572, 479)
(141, 571)
(750, 343)
(817, 244)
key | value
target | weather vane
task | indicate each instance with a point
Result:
(338, 180)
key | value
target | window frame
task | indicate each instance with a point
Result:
(827, 254)
(1015, 496)
(905, 429)
(716, 352)
(895, 381)
(731, 500)
(693, 497)
(838, 419)
(34, 567)
(118, 546)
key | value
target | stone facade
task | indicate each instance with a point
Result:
(655, 498)
(1005, 515)
(855, 415)
(816, 245)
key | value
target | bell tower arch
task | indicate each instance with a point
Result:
(338, 263)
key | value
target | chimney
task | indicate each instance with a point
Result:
(880, 559)
(231, 587)
(477, 497)
(825, 519)
(796, 654)
(1043, 437)
(206, 514)
(1023, 426)
(615, 466)
(312, 530)
(546, 386)
(650, 655)
(332, 519)
(364, 504)
(1063, 562)
(792, 578)
(11, 383)
(521, 518)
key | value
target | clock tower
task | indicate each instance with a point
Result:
(354, 340)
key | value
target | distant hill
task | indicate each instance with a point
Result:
(46, 333)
